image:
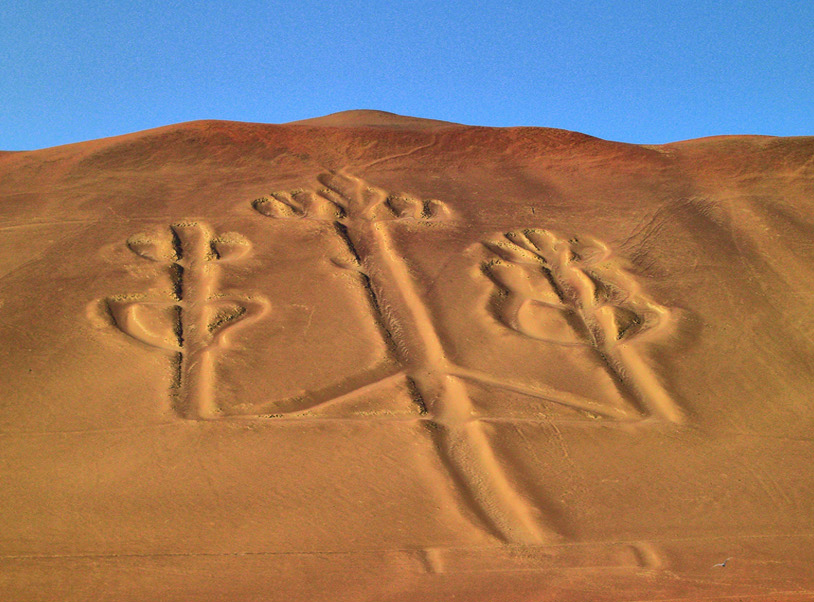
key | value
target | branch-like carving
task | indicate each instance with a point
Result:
(572, 292)
(197, 321)
(346, 198)
(360, 215)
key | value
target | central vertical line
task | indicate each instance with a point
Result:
(461, 441)
(195, 290)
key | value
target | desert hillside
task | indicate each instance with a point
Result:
(374, 357)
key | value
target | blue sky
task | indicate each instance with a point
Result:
(645, 72)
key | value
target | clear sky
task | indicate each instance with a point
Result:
(641, 71)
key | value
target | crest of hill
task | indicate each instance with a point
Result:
(373, 119)
(365, 135)
(329, 138)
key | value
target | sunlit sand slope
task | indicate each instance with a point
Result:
(372, 357)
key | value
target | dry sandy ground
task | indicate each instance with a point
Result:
(369, 357)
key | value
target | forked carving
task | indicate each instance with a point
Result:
(558, 291)
(359, 214)
(362, 216)
(193, 321)
(347, 198)
(573, 293)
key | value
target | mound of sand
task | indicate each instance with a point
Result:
(374, 357)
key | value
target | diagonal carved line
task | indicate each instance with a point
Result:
(348, 396)
(546, 394)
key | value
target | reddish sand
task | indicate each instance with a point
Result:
(371, 357)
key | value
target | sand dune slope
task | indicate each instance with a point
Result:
(373, 357)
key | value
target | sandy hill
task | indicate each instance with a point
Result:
(375, 357)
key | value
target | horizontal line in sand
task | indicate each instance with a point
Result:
(587, 545)
(290, 421)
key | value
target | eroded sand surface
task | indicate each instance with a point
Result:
(369, 357)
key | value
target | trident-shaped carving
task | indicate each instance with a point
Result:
(571, 292)
(197, 321)
(364, 217)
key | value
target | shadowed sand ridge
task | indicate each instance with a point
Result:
(369, 356)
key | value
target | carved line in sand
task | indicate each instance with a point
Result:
(196, 321)
(573, 293)
(641, 556)
(360, 214)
